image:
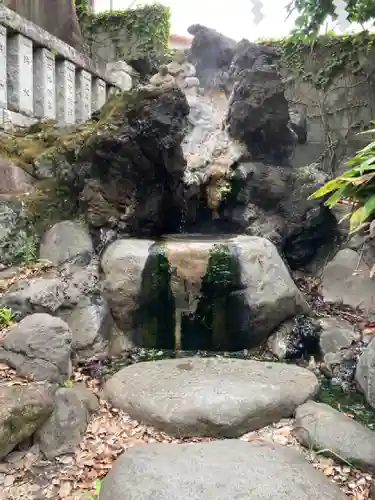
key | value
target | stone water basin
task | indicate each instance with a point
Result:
(199, 292)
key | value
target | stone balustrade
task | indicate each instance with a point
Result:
(41, 77)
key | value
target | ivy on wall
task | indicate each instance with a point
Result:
(146, 28)
(332, 56)
(82, 8)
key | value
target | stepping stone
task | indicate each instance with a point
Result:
(210, 396)
(319, 426)
(219, 470)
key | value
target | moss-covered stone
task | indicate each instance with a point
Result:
(23, 409)
(156, 316)
(214, 315)
(122, 168)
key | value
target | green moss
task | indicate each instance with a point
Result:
(24, 422)
(155, 318)
(333, 55)
(145, 28)
(50, 202)
(213, 325)
(352, 403)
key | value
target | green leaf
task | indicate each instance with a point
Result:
(335, 197)
(363, 213)
(326, 189)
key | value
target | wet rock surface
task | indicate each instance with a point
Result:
(259, 289)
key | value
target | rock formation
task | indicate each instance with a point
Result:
(264, 195)
(160, 160)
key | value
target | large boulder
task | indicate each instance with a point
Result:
(123, 169)
(243, 277)
(123, 263)
(216, 471)
(57, 291)
(258, 115)
(92, 325)
(210, 397)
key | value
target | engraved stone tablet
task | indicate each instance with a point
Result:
(98, 94)
(20, 74)
(3, 67)
(83, 96)
(65, 90)
(44, 84)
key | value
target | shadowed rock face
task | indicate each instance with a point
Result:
(268, 197)
(129, 171)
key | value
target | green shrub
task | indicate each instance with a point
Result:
(6, 316)
(355, 186)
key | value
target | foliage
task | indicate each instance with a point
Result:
(82, 8)
(356, 186)
(313, 13)
(27, 248)
(68, 384)
(332, 55)
(98, 485)
(6, 316)
(144, 30)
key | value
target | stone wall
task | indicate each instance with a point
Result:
(336, 114)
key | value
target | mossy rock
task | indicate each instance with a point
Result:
(108, 166)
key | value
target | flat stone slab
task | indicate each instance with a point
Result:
(220, 470)
(210, 396)
(321, 427)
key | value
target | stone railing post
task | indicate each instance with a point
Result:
(65, 92)
(99, 95)
(41, 77)
(20, 74)
(83, 96)
(44, 84)
(3, 67)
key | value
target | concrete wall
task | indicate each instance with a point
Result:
(336, 115)
(341, 110)
(58, 17)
